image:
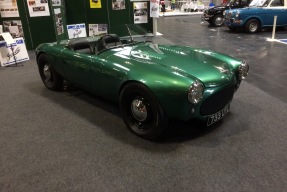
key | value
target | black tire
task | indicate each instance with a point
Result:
(141, 111)
(51, 79)
(252, 26)
(218, 20)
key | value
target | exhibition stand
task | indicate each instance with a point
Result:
(12, 51)
(41, 21)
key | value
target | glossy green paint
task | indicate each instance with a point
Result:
(167, 70)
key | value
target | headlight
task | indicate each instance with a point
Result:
(243, 70)
(195, 92)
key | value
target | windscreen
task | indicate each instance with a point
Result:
(259, 3)
(131, 31)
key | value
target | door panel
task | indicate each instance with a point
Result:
(77, 68)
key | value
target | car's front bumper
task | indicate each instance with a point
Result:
(233, 22)
(213, 103)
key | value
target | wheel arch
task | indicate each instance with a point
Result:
(38, 54)
(166, 96)
(253, 17)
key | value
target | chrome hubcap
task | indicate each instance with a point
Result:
(253, 27)
(139, 110)
(218, 21)
(47, 72)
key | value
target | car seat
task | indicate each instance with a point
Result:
(81, 46)
(108, 41)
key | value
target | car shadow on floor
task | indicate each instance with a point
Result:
(179, 131)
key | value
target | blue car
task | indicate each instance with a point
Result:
(259, 14)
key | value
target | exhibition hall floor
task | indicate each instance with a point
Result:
(75, 141)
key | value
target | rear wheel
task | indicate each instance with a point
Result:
(51, 79)
(218, 20)
(252, 26)
(141, 112)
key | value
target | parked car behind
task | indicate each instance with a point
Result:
(259, 14)
(214, 15)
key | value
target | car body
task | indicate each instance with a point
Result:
(151, 82)
(259, 14)
(214, 14)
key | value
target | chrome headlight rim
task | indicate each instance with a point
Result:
(243, 71)
(195, 92)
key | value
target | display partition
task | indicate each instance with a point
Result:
(109, 16)
(37, 21)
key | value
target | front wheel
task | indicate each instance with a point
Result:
(51, 79)
(218, 20)
(252, 26)
(141, 111)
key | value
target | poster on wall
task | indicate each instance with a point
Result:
(38, 8)
(95, 4)
(14, 53)
(118, 4)
(140, 12)
(59, 21)
(56, 2)
(9, 8)
(77, 30)
(14, 27)
(154, 8)
(98, 29)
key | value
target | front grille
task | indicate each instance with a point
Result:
(217, 101)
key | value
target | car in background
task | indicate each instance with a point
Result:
(258, 15)
(152, 83)
(214, 15)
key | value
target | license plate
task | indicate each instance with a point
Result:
(217, 116)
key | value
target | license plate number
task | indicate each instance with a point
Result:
(217, 116)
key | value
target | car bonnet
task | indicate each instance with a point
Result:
(199, 63)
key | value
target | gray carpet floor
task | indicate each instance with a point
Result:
(74, 141)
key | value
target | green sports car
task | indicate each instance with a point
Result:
(152, 83)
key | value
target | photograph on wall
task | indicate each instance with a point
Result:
(9, 8)
(56, 2)
(14, 28)
(59, 21)
(118, 4)
(38, 8)
(140, 12)
(95, 4)
(98, 29)
(14, 53)
(154, 8)
(77, 30)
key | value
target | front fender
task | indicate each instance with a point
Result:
(249, 17)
